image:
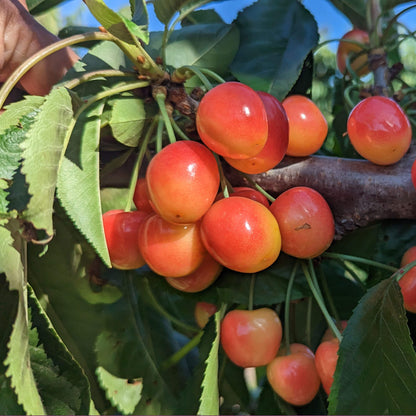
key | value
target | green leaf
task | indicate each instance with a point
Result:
(124, 394)
(210, 397)
(80, 172)
(165, 10)
(212, 46)
(140, 15)
(376, 370)
(42, 151)
(117, 24)
(17, 362)
(61, 380)
(8, 398)
(127, 119)
(41, 6)
(275, 39)
(354, 10)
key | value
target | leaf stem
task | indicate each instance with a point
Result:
(287, 306)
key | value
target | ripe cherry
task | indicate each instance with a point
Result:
(326, 358)
(170, 250)
(307, 126)
(328, 334)
(277, 139)
(232, 121)
(121, 230)
(294, 377)
(203, 311)
(201, 278)
(141, 196)
(379, 130)
(305, 220)
(183, 181)
(407, 283)
(251, 338)
(241, 234)
(359, 61)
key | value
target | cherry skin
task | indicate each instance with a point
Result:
(407, 283)
(183, 181)
(251, 338)
(277, 139)
(232, 121)
(379, 130)
(305, 220)
(121, 230)
(308, 127)
(413, 174)
(359, 63)
(170, 250)
(141, 196)
(201, 278)
(203, 311)
(241, 234)
(326, 358)
(294, 377)
(247, 192)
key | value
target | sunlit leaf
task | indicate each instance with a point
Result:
(376, 371)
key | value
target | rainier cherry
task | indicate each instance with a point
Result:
(183, 181)
(307, 125)
(294, 377)
(170, 250)
(305, 220)
(277, 139)
(359, 63)
(326, 358)
(379, 130)
(203, 311)
(232, 121)
(121, 229)
(251, 338)
(241, 234)
(141, 196)
(408, 282)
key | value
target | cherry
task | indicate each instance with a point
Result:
(294, 377)
(183, 181)
(201, 278)
(305, 220)
(170, 250)
(203, 311)
(307, 126)
(326, 358)
(328, 335)
(407, 283)
(379, 130)
(121, 229)
(251, 338)
(359, 63)
(247, 192)
(277, 139)
(141, 196)
(241, 234)
(232, 121)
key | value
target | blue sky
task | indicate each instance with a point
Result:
(331, 23)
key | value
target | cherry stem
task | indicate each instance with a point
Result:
(161, 99)
(138, 164)
(309, 322)
(362, 260)
(258, 187)
(178, 130)
(186, 71)
(403, 270)
(352, 272)
(251, 292)
(159, 134)
(318, 298)
(287, 306)
(182, 352)
(328, 295)
(225, 185)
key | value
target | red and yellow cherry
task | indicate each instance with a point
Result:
(251, 338)
(277, 139)
(305, 220)
(201, 278)
(121, 230)
(413, 174)
(407, 282)
(379, 130)
(170, 250)
(232, 121)
(308, 127)
(241, 234)
(297, 348)
(326, 358)
(294, 377)
(183, 181)
(141, 196)
(203, 311)
(247, 192)
(358, 61)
